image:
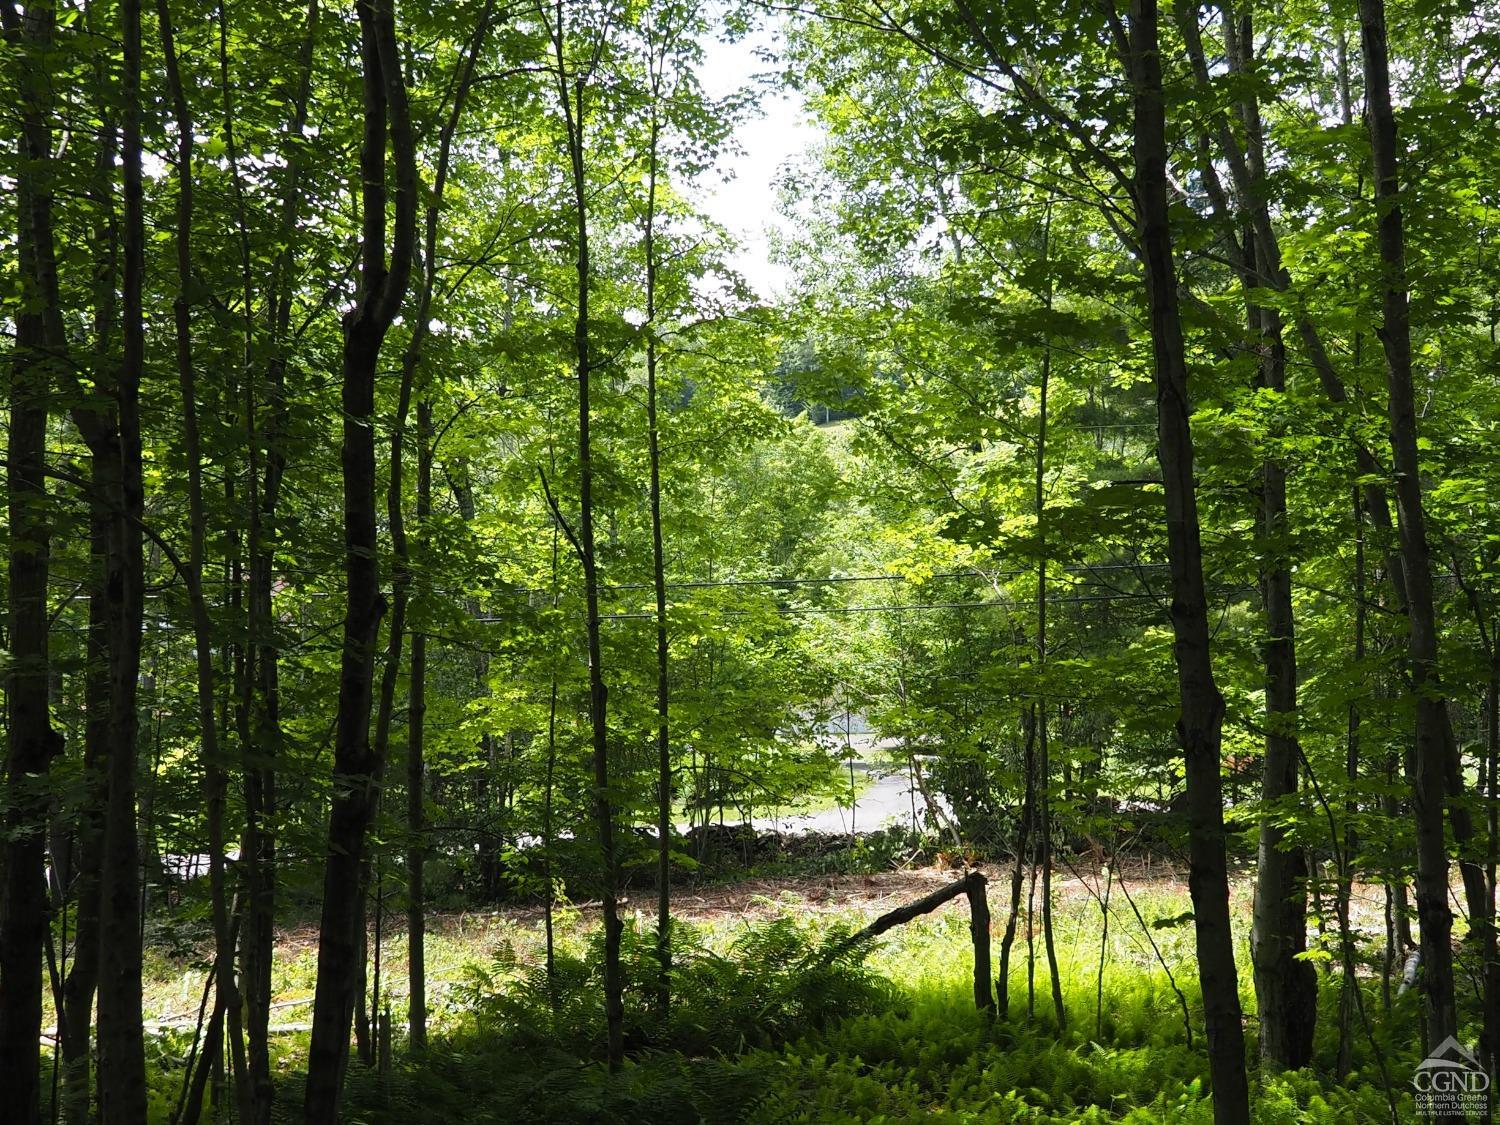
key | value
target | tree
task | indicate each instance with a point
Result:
(1200, 725)
(31, 741)
(357, 769)
(573, 86)
(1430, 778)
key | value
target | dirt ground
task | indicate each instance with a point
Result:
(1077, 881)
(845, 895)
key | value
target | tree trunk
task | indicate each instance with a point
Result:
(356, 767)
(549, 788)
(1018, 871)
(1347, 995)
(261, 734)
(122, 1063)
(82, 982)
(1200, 725)
(1430, 779)
(416, 821)
(215, 783)
(658, 578)
(1285, 987)
(572, 102)
(83, 975)
(1044, 752)
(979, 934)
(416, 739)
(31, 742)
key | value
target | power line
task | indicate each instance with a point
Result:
(987, 575)
(797, 611)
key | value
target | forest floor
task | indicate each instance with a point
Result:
(894, 1039)
(460, 940)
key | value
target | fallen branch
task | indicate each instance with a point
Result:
(974, 886)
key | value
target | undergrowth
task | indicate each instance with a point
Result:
(529, 1051)
(777, 979)
(769, 1028)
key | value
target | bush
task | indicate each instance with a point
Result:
(779, 979)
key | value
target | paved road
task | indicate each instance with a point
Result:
(887, 801)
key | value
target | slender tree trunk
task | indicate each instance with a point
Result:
(604, 812)
(122, 1064)
(658, 575)
(1018, 871)
(1430, 781)
(548, 791)
(1044, 755)
(31, 741)
(416, 817)
(260, 743)
(215, 783)
(571, 95)
(1347, 995)
(356, 766)
(416, 921)
(1200, 724)
(1285, 986)
(83, 975)
(261, 737)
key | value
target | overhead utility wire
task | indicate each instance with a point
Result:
(698, 584)
(793, 611)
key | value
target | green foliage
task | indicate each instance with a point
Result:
(776, 980)
(477, 1081)
(866, 508)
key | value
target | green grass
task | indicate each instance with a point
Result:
(913, 1050)
(935, 1059)
(766, 1032)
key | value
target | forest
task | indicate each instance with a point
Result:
(992, 618)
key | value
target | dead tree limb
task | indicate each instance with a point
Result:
(973, 884)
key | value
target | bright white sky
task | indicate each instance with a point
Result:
(741, 194)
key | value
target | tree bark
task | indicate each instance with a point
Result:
(1286, 987)
(979, 933)
(355, 764)
(416, 815)
(1200, 725)
(261, 738)
(215, 782)
(571, 97)
(122, 1063)
(76, 1026)
(1018, 871)
(31, 741)
(658, 569)
(83, 974)
(1044, 751)
(1430, 778)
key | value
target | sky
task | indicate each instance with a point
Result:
(741, 195)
